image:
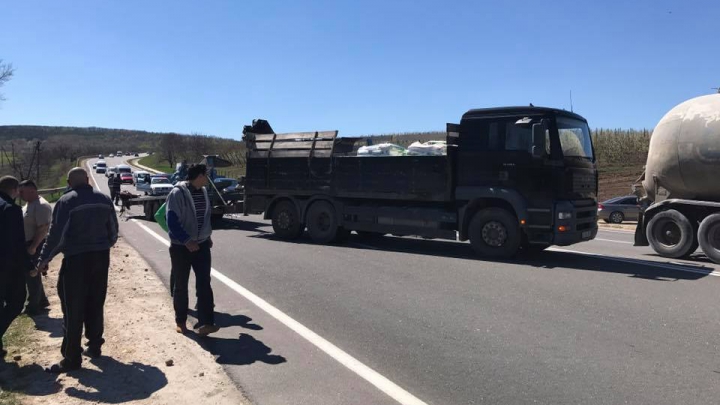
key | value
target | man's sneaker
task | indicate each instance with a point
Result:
(92, 353)
(207, 329)
(181, 328)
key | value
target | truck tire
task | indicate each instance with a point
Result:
(322, 222)
(671, 234)
(494, 233)
(709, 237)
(286, 221)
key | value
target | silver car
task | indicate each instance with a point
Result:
(619, 209)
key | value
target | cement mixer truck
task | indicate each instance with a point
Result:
(681, 182)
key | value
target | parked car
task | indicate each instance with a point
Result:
(154, 185)
(126, 178)
(619, 209)
(226, 184)
(139, 176)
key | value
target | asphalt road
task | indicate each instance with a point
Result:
(601, 322)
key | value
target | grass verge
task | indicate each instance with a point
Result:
(156, 162)
(16, 338)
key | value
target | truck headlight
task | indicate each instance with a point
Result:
(564, 215)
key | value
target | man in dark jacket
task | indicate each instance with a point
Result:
(84, 228)
(115, 189)
(14, 259)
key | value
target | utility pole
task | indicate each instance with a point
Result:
(37, 175)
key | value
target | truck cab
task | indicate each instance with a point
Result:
(537, 161)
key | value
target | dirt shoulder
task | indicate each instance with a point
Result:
(140, 343)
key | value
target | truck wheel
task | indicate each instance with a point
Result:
(285, 221)
(671, 234)
(494, 233)
(617, 217)
(709, 237)
(322, 223)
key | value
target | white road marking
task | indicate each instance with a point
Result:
(367, 373)
(614, 241)
(675, 266)
(616, 231)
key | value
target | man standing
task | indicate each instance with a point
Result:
(84, 228)
(14, 260)
(188, 220)
(115, 187)
(37, 215)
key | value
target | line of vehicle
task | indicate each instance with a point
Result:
(373, 377)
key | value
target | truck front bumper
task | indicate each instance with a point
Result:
(580, 227)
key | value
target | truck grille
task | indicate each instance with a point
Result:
(585, 214)
(582, 183)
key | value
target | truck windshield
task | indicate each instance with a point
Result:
(574, 138)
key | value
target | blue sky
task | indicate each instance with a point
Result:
(360, 67)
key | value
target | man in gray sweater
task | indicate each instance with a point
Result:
(188, 212)
(84, 227)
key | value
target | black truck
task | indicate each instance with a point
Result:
(513, 178)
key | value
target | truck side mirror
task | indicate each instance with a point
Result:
(538, 141)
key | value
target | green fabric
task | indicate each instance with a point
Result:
(160, 217)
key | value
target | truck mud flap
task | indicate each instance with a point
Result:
(640, 234)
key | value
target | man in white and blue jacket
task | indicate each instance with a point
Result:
(188, 212)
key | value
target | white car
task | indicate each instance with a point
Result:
(111, 155)
(154, 185)
(100, 166)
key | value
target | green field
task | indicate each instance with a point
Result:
(155, 162)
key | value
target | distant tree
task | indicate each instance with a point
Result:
(170, 147)
(6, 73)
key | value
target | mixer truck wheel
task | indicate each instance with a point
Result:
(495, 233)
(671, 234)
(709, 237)
(322, 223)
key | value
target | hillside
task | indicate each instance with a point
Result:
(621, 153)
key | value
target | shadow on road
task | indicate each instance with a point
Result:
(224, 320)
(114, 383)
(228, 222)
(242, 351)
(45, 323)
(645, 269)
(30, 380)
(117, 382)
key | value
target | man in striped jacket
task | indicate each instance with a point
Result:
(188, 212)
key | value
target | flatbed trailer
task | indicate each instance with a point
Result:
(231, 203)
